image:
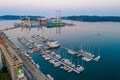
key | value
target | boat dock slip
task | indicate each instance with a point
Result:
(69, 50)
(49, 42)
(67, 65)
(87, 56)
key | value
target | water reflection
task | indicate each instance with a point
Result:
(42, 28)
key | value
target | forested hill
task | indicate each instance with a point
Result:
(84, 18)
(94, 18)
(16, 17)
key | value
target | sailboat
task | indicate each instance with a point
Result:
(79, 67)
(98, 57)
(50, 77)
(71, 51)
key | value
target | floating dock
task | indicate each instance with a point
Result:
(87, 56)
(65, 64)
(70, 50)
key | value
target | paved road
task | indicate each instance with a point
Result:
(0, 61)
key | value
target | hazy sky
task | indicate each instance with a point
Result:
(68, 7)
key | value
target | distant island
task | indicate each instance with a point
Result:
(86, 18)
(16, 17)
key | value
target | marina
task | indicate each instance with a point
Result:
(87, 56)
(67, 65)
(49, 42)
(54, 58)
(32, 47)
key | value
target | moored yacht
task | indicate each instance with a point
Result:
(71, 51)
(53, 44)
(97, 58)
(79, 68)
(50, 77)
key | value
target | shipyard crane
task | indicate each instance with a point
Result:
(58, 16)
(28, 22)
(21, 21)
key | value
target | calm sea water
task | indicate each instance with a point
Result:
(85, 34)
